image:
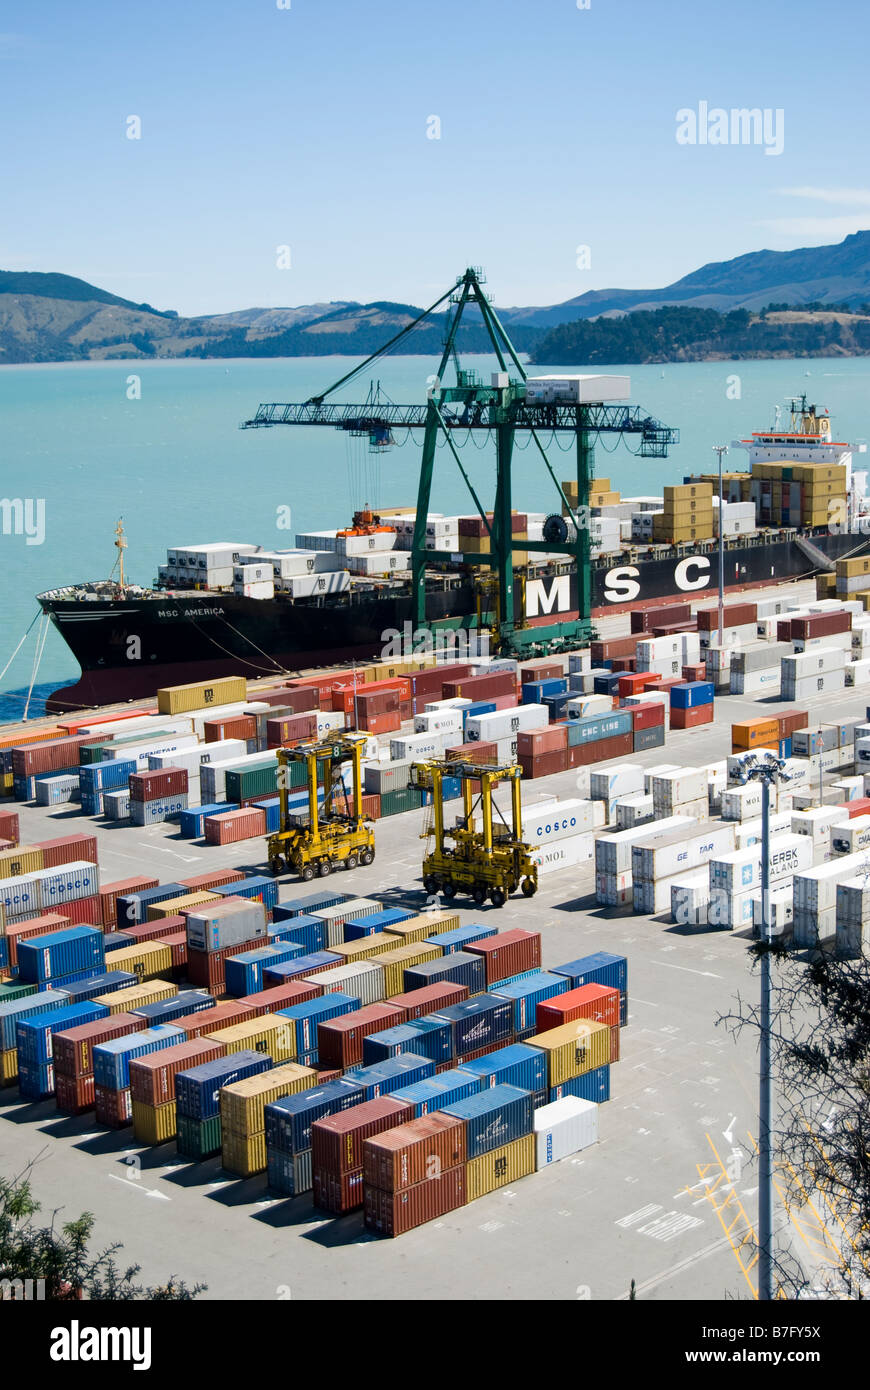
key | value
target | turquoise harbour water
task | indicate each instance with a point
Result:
(176, 466)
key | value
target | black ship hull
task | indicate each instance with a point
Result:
(128, 648)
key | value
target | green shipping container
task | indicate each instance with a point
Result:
(403, 799)
(260, 779)
(199, 1138)
(11, 989)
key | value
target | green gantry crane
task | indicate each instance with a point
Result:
(503, 410)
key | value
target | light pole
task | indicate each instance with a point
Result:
(721, 449)
(768, 772)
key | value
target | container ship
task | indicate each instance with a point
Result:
(229, 608)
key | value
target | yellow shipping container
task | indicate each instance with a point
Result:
(851, 569)
(363, 947)
(681, 492)
(598, 498)
(394, 963)
(752, 732)
(501, 1166)
(268, 1034)
(146, 959)
(9, 1066)
(134, 996)
(425, 925)
(171, 907)
(243, 1102)
(179, 699)
(23, 859)
(573, 1049)
(154, 1124)
(826, 585)
(243, 1154)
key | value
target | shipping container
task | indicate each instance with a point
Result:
(340, 1040)
(461, 968)
(338, 1140)
(112, 1058)
(600, 968)
(564, 1127)
(506, 1164)
(152, 1077)
(573, 1048)
(494, 1117)
(243, 1102)
(413, 1152)
(383, 1077)
(429, 999)
(289, 1119)
(508, 954)
(197, 1089)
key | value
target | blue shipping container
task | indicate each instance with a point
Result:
(517, 1065)
(311, 902)
(598, 726)
(451, 788)
(33, 1036)
(133, 907)
(427, 1036)
(105, 983)
(198, 1089)
(300, 965)
(190, 822)
(527, 993)
(605, 684)
(476, 1023)
(112, 1059)
(601, 968)
(460, 968)
(36, 1082)
(533, 692)
(245, 972)
(691, 694)
(114, 940)
(258, 886)
(494, 1117)
(189, 1001)
(447, 1087)
(375, 922)
(289, 1119)
(304, 1017)
(483, 707)
(16, 1009)
(308, 932)
(383, 1078)
(64, 952)
(592, 1085)
(106, 777)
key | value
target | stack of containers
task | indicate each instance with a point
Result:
(691, 704)
(735, 876)
(242, 1114)
(61, 957)
(219, 930)
(288, 1124)
(74, 1058)
(560, 833)
(681, 793)
(815, 894)
(852, 923)
(595, 1003)
(499, 1137)
(34, 1044)
(613, 857)
(338, 1150)
(657, 868)
(299, 1023)
(114, 1104)
(12, 1011)
(152, 1087)
(756, 669)
(197, 1095)
(414, 1173)
(819, 670)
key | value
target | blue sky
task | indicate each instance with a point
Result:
(306, 127)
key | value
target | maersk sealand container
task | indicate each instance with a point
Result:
(59, 953)
(601, 968)
(33, 1036)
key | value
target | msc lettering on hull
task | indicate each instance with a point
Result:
(548, 596)
(621, 586)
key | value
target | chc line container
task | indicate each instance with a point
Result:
(740, 871)
(564, 1127)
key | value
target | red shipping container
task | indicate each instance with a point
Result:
(177, 944)
(669, 629)
(389, 723)
(783, 630)
(542, 671)
(614, 1042)
(821, 625)
(89, 721)
(337, 1141)
(656, 684)
(85, 912)
(74, 1047)
(481, 687)
(338, 1192)
(632, 683)
(603, 750)
(343, 694)
(74, 1095)
(622, 663)
(615, 646)
(152, 1077)
(649, 715)
(545, 764)
(67, 850)
(151, 931)
(428, 1000)
(208, 968)
(51, 756)
(213, 878)
(325, 1074)
(429, 683)
(473, 753)
(164, 781)
(223, 1015)
(417, 1151)
(533, 742)
(340, 1040)
(298, 699)
(9, 827)
(790, 720)
(644, 619)
(475, 525)
(377, 701)
(694, 673)
(32, 926)
(859, 807)
(691, 718)
(371, 805)
(110, 892)
(114, 1108)
(243, 726)
(598, 1003)
(735, 615)
(508, 953)
(292, 728)
(394, 1213)
(233, 826)
(268, 1001)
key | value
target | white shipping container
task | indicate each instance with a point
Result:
(379, 562)
(690, 897)
(815, 889)
(329, 719)
(850, 788)
(658, 771)
(564, 1127)
(842, 640)
(814, 927)
(414, 746)
(613, 851)
(362, 980)
(681, 850)
(819, 661)
(652, 895)
(858, 673)
(559, 820)
(780, 911)
(853, 899)
(443, 721)
(613, 890)
(633, 810)
(749, 832)
(580, 662)
(853, 939)
(566, 853)
(622, 779)
(672, 789)
(435, 706)
(850, 836)
(310, 585)
(505, 723)
(142, 751)
(754, 681)
(740, 871)
(140, 724)
(583, 707)
(816, 824)
(192, 758)
(741, 635)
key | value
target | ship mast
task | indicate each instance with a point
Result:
(120, 546)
